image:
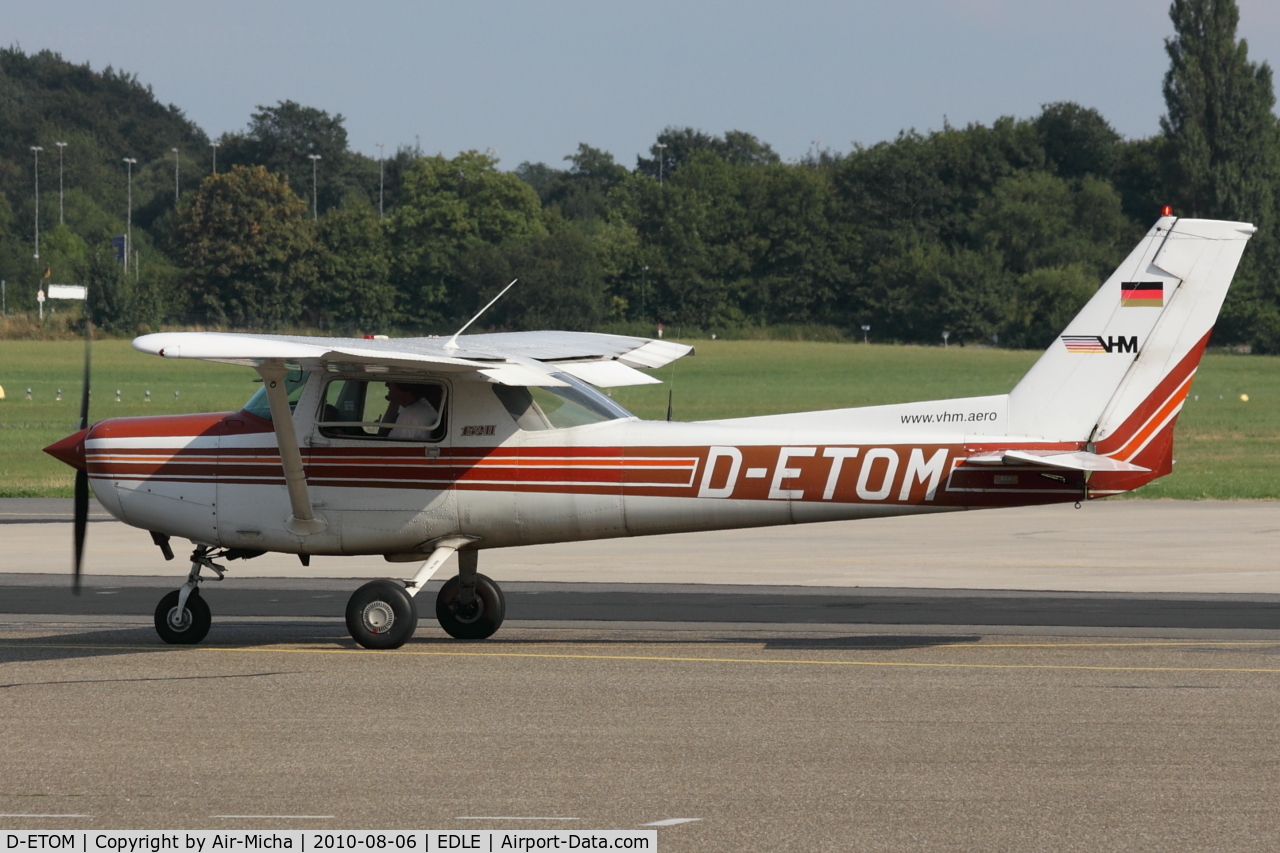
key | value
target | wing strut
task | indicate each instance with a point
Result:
(302, 521)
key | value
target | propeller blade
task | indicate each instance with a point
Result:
(82, 476)
(84, 394)
(82, 522)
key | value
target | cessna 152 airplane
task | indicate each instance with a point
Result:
(510, 444)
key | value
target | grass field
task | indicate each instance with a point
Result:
(1225, 448)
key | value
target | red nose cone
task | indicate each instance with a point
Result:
(70, 450)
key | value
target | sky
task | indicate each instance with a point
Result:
(532, 80)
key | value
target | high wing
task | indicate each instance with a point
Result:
(508, 358)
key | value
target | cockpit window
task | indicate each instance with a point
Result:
(575, 404)
(294, 382)
(393, 410)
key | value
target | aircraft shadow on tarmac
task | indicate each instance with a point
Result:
(614, 615)
(669, 603)
(112, 642)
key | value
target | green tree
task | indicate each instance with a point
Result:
(283, 137)
(1036, 220)
(353, 268)
(1043, 302)
(65, 253)
(583, 191)
(920, 288)
(930, 184)
(450, 209)
(248, 244)
(562, 283)
(1221, 130)
(110, 298)
(676, 146)
(1224, 154)
(1078, 141)
(698, 232)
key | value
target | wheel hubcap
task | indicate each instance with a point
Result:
(379, 617)
(179, 621)
(468, 613)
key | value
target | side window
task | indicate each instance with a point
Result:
(390, 410)
(520, 405)
(294, 383)
(558, 407)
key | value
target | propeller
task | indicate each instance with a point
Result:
(82, 474)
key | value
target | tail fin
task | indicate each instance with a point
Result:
(1118, 374)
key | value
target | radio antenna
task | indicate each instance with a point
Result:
(452, 343)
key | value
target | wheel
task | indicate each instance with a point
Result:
(187, 628)
(481, 619)
(381, 615)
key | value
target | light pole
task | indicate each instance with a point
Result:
(662, 152)
(214, 146)
(381, 151)
(37, 149)
(865, 330)
(175, 176)
(128, 234)
(313, 158)
(945, 335)
(60, 145)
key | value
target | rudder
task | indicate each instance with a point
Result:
(1123, 365)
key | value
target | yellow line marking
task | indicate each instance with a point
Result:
(1134, 644)
(672, 659)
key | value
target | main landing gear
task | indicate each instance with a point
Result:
(380, 615)
(470, 606)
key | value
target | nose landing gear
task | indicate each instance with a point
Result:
(182, 617)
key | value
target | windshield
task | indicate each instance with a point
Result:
(575, 404)
(294, 382)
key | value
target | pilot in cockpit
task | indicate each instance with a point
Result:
(408, 407)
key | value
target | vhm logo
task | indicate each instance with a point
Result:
(1097, 344)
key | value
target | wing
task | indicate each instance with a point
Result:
(509, 358)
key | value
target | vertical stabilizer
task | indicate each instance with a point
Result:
(1139, 338)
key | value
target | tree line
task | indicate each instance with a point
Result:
(992, 233)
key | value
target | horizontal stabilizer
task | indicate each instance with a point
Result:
(1074, 461)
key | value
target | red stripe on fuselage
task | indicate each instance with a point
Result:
(876, 474)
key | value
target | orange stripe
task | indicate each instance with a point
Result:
(1155, 421)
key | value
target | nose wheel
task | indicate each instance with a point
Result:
(185, 625)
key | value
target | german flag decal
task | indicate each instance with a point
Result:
(1142, 294)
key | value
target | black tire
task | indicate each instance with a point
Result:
(485, 616)
(188, 630)
(381, 615)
